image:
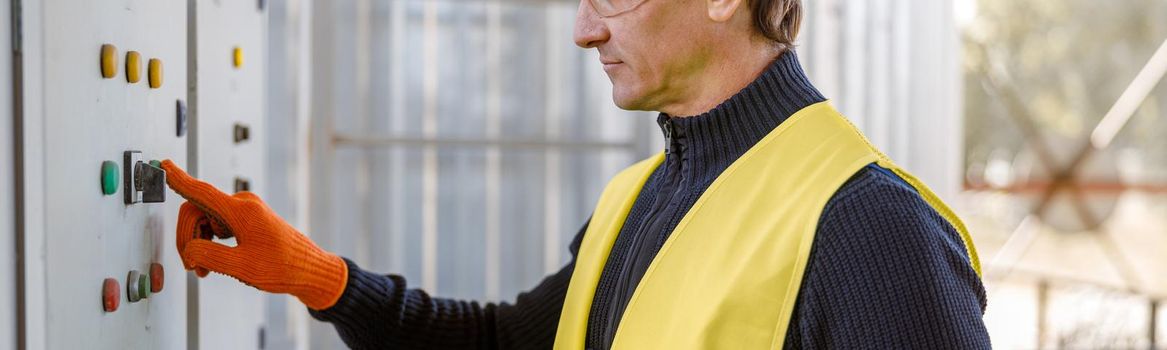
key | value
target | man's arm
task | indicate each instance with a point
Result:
(886, 271)
(380, 311)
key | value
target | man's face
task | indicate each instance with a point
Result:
(650, 53)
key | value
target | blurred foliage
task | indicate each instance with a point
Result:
(1067, 61)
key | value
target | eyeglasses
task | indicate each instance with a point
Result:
(609, 8)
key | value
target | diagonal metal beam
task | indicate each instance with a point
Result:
(1117, 117)
(1103, 134)
(998, 84)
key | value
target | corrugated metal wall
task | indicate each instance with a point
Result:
(893, 67)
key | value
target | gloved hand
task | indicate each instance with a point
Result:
(269, 255)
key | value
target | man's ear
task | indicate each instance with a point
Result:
(723, 10)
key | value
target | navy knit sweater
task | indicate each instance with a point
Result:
(885, 270)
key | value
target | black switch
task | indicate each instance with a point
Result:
(180, 118)
(242, 185)
(242, 133)
(144, 182)
(152, 182)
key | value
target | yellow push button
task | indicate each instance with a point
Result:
(109, 61)
(155, 72)
(133, 67)
(237, 55)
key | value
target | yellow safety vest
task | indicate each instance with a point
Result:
(728, 276)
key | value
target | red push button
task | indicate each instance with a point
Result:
(156, 277)
(111, 294)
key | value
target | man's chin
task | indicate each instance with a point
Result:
(629, 101)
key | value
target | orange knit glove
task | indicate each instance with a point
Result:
(269, 254)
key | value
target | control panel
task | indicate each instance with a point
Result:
(116, 87)
(110, 79)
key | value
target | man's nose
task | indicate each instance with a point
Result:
(590, 30)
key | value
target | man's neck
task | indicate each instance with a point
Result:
(721, 80)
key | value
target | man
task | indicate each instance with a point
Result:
(768, 221)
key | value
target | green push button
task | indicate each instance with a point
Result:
(143, 286)
(109, 177)
(156, 163)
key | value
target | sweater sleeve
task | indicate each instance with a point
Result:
(887, 271)
(381, 311)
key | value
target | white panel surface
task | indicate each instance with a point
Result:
(88, 236)
(230, 314)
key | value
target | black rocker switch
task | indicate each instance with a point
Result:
(145, 182)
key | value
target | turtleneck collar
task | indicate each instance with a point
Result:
(711, 141)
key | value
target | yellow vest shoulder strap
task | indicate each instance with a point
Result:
(605, 224)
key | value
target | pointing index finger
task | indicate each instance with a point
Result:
(203, 194)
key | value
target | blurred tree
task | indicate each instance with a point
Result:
(1067, 61)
